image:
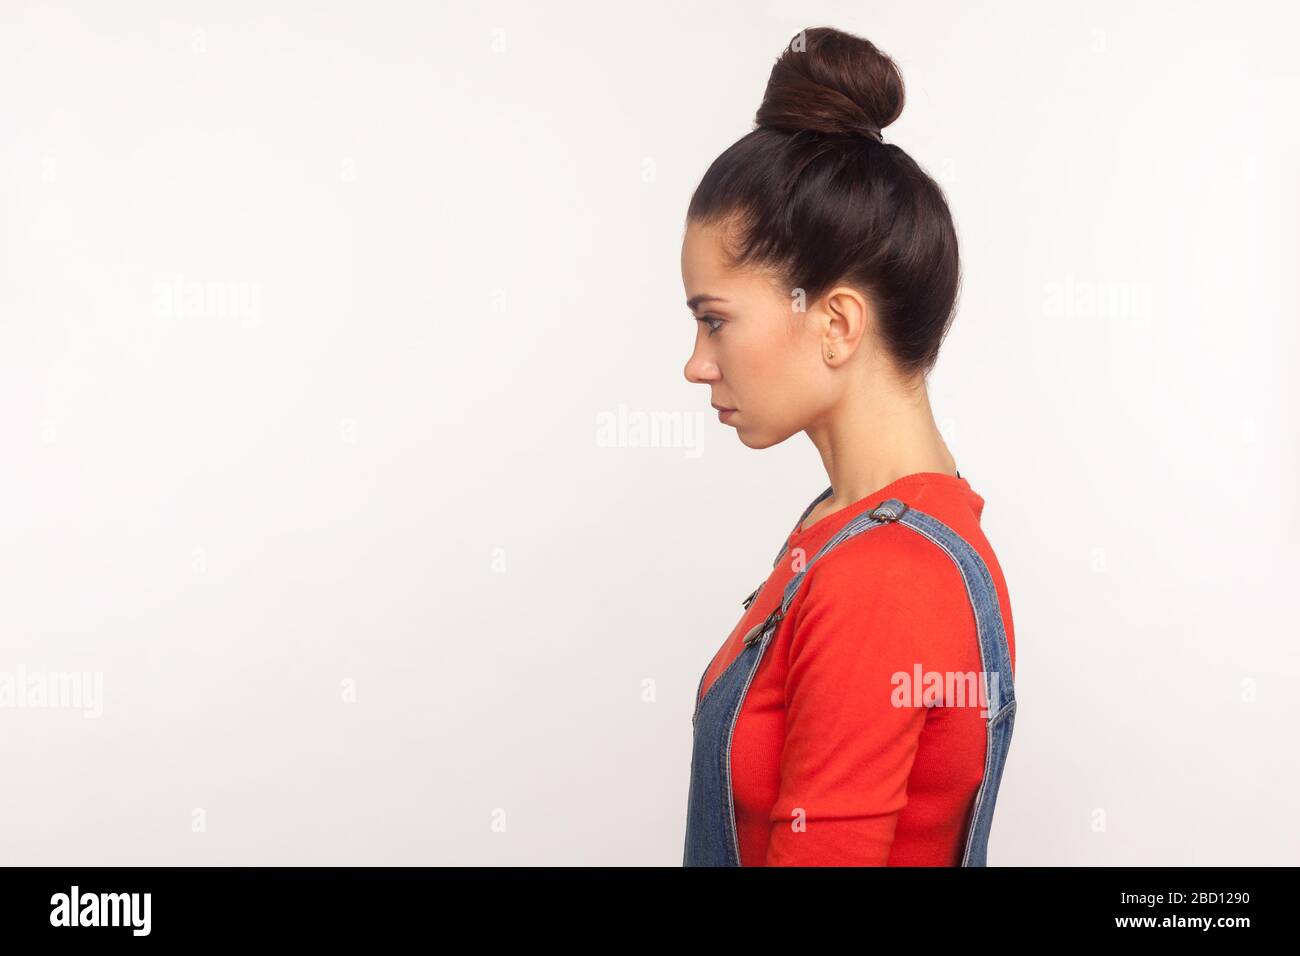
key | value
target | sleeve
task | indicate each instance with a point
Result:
(851, 732)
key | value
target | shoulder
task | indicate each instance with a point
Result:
(887, 560)
(889, 585)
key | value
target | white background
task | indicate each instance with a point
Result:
(423, 248)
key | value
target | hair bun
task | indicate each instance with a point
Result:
(829, 81)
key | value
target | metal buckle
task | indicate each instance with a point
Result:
(758, 630)
(883, 512)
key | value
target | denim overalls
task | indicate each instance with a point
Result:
(711, 838)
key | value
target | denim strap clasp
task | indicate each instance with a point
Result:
(890, 510)
(762, 627)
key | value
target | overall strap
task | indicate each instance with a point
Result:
(995, 653)
(806, 512)
(883, 513)
(863, 522)
(995, 662)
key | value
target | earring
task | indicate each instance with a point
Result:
(830, 355)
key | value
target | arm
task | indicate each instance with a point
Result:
(848, 749)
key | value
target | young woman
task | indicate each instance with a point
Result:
(861, 710)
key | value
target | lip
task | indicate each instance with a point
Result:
(724, 413)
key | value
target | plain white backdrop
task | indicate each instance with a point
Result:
(327, 336)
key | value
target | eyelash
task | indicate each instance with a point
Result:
(708, 319)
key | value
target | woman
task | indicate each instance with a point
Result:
(861, 710)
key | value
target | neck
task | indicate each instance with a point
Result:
(876, 435)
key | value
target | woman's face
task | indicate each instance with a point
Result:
(754, 351)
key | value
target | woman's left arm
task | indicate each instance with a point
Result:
(852, 724)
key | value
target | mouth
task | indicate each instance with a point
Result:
(724, 413)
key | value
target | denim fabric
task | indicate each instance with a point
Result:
(711, 838)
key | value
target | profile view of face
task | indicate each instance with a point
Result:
(757, 354)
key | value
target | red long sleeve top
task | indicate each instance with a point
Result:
(825, 769)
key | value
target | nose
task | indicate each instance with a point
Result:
(700, 369)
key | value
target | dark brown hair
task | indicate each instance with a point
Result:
(815, 196)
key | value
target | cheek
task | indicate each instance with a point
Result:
(769, 381)
(781, 367)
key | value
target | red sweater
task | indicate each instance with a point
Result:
(826, 771)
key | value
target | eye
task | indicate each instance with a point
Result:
(709, 320)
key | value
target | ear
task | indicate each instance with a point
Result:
(848, 317)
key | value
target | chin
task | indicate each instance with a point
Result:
(757, 439)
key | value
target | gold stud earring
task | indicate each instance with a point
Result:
(830, 355)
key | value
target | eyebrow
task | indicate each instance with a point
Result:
(695, 301)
